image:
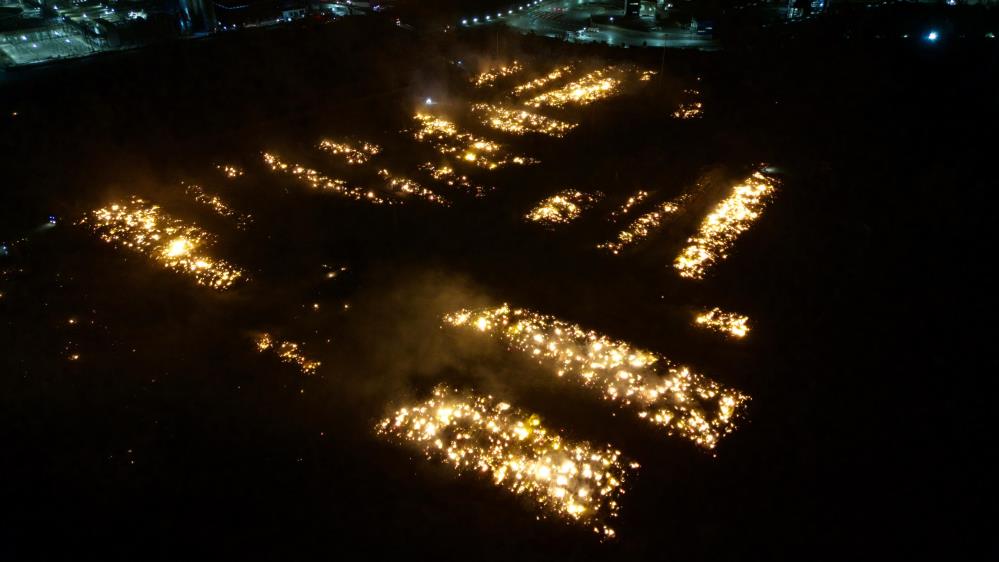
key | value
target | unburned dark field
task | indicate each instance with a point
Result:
(169, 436)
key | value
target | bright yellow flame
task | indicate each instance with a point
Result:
(563, 207)
(637, 199)
(642, 227)
(353, 154)
(519, 121)
(575, 481)
(288, 352)
(142, 227)
(231, 171)
(447, 175)
(319, 181)
(689, 110)
(220, 207)
(543, 80)
(735, 325)
(667, 395)
(448, 140)
(403, 186)
(490, 76)
(592, 87)
(727, 220)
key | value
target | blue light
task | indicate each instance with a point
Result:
(932, 36)
(464, 22)
(52, 219)
(475, 20)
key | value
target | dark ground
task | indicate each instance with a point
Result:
(172, 439)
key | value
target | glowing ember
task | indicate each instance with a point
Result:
(406, 187)
(575, 481)
(230, 171)
(353, 154)
(216, 204)
(446, 174)
(666, 395)
(142, 227)
(637, 199)
(493, 74)
(519, 121)
(726, 221)
(319, 181)
(448, 140)
(730, 323)
(641, 227)
(289, 352)
(563, 207)
(689, 110)
(592, 87)
(543, 80)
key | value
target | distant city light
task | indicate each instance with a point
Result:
(475, 20)
(932, 36)
(464, 22)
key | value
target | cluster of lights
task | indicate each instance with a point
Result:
(216, 204)
(319, 181)
(641, 227)
(543, 80)
(289, 352)
(730, 323)
(668, 396)
(591, 87)
(403, 186)
(359, 154)
(689, 110)
(446, 175)
(520, 121)
(142, 227)
(448, 140)
(646, 75)
(493, 74)
(727, 220)
(231, 171)
(563, 207)
(637, 199)
(575, 481)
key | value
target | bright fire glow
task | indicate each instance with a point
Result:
(637, 199)
(448, 140)
(727, 220)
(231, 171)
(669, 396)
(403, 186)
(641, 227)
(353, 154)
(144, 228)
(446, 174)
(592, 87)
(730, 323)
(563, 207)
(689, 110)
(216, 204)
(575, 481)
(519, 121)
(488, 77)
(543, 80)
(319, 181)
(289, 352)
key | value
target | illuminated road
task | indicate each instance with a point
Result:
(567, 20)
